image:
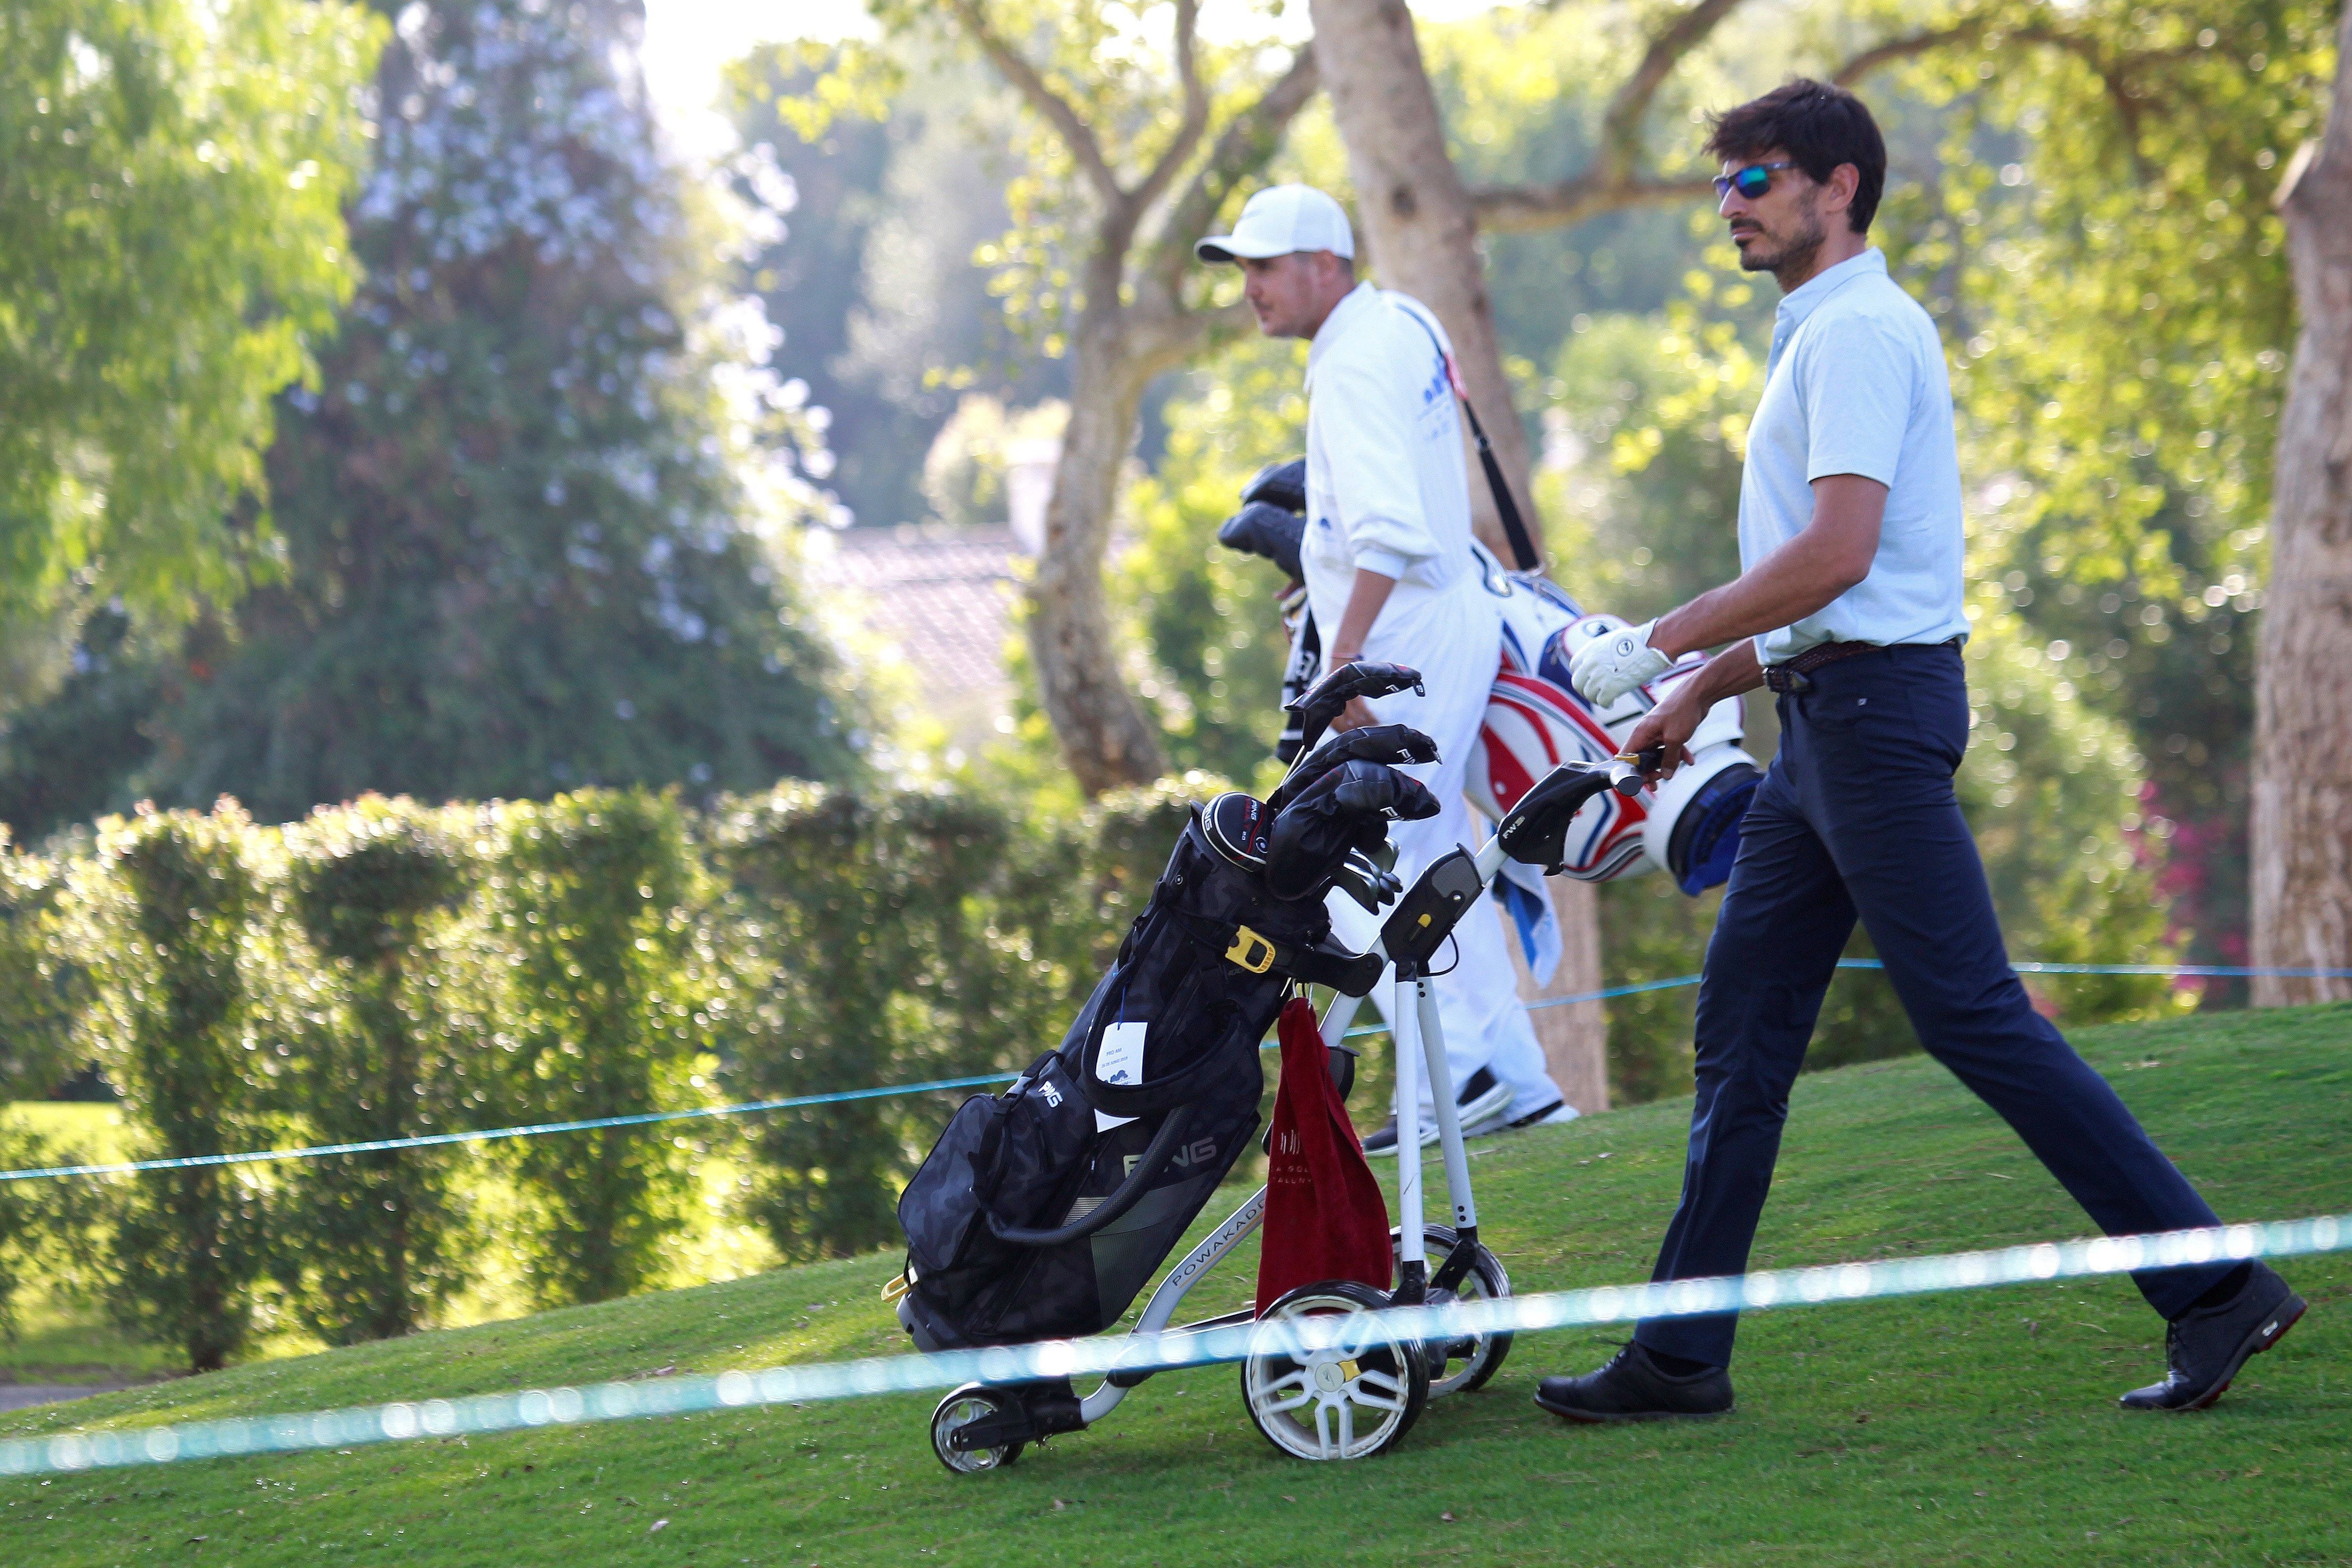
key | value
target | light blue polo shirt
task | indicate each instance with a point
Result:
(1856, 384)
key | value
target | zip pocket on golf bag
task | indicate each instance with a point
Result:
(997, 1292)
(1012, 1154)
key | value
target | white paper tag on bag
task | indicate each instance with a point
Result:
(1119, 1062)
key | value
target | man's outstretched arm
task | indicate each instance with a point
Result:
(1831, 555)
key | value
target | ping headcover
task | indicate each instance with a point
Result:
(1262, 529)
(1236, 826)
(1273, 517)
(1394, 744)
(1349, 806)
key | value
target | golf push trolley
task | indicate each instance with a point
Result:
(1352, 1387)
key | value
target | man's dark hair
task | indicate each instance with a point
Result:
(1819, 127)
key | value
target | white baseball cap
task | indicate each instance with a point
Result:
(1282, 219)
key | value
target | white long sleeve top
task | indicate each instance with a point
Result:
(1387, 483)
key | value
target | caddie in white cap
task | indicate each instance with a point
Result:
(1390, 577)
(1284, 220)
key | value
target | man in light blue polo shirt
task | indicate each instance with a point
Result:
(1848, 607)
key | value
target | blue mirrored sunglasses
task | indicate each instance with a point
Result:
(1751, 181)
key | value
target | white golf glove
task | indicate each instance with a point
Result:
(1609, 666)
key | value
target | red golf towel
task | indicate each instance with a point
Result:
(1325, 1217)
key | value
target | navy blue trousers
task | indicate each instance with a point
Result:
(1857, 816)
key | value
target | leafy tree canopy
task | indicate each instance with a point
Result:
(539, 508)
(171, 180)
(887, 173)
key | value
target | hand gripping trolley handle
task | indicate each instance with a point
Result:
(1352, 1387)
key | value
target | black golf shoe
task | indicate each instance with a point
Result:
(1634, 1387)
(2204, 1346)
(1480, 1100)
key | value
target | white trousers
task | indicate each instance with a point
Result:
(1454, 640)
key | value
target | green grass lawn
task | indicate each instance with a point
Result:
(1979, 1427)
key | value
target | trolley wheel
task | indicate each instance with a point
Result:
(960, 1408)
(1349, 1391)
(1456, 1366)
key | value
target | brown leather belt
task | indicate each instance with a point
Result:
(1789, 676)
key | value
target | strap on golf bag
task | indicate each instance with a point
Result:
(1507, 505)
(1349, 974)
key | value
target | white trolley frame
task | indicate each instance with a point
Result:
(1419, 1035)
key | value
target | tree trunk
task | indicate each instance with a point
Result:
(1102, 731)
(1129, 329)
(395, 1313)
(1418, 218)
(1425, 239)
(1573, 1037)
(2303, 727)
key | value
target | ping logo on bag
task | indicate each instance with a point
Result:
(1052, 1095)
(1200, 1151)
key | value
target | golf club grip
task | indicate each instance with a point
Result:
(1148, 1166)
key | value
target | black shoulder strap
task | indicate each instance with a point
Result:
(1507, 505)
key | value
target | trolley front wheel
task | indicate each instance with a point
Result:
(1458, 1365)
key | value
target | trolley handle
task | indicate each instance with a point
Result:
(1629, 771)
(1148, 1166)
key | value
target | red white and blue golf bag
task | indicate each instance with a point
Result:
(1536, 719)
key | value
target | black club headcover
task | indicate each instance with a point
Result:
(1266, 530)
(1349, 808)
(1327, 699)
(1394, 744)
(1282, 485)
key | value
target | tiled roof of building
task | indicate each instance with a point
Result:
(943, 596)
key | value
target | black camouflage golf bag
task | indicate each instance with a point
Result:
(1043, 1210)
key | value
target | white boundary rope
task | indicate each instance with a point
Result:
(407, 1420)
(754, 1107)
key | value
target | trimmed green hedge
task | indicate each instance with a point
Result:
(173, 926)
(594, 905)
(387, 1042)
(905, 937)
(385, 969)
